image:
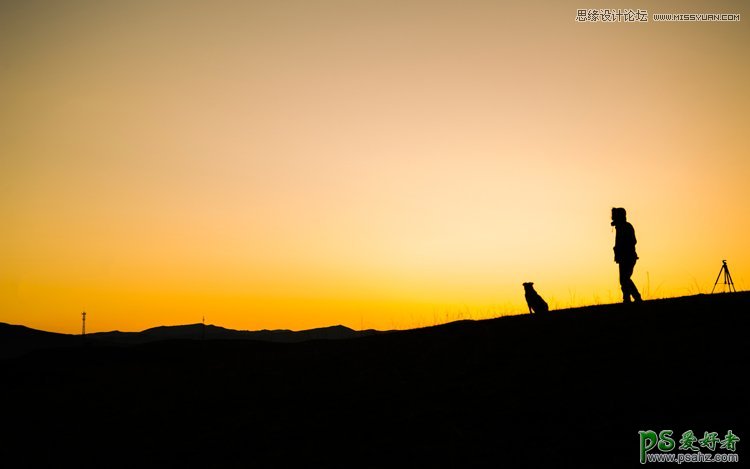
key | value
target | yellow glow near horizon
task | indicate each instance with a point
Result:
(299, 164)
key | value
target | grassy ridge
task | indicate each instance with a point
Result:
(569, 389)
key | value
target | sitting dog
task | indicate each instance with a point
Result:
(535, 302)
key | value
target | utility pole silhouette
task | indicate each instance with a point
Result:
(727, 278)
(83, 324)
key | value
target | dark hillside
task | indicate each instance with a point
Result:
(16, 341)
(20, 340)
(571, 389)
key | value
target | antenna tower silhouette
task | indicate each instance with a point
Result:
(727, 277)
(83, 323)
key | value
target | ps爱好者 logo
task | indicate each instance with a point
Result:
(663, 446)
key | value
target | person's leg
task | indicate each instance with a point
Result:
(626, 284)
(633, 289)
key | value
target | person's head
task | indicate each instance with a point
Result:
(618, 215)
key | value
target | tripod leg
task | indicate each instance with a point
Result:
(728, 279)
(717, 278)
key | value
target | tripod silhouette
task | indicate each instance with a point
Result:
(727, 277)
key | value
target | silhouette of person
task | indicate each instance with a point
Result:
(625, 255)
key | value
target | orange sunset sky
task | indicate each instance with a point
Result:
(372, 163)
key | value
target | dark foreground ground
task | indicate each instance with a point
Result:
(571, 389)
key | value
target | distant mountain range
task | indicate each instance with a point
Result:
(211, 332)
(19, 340)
